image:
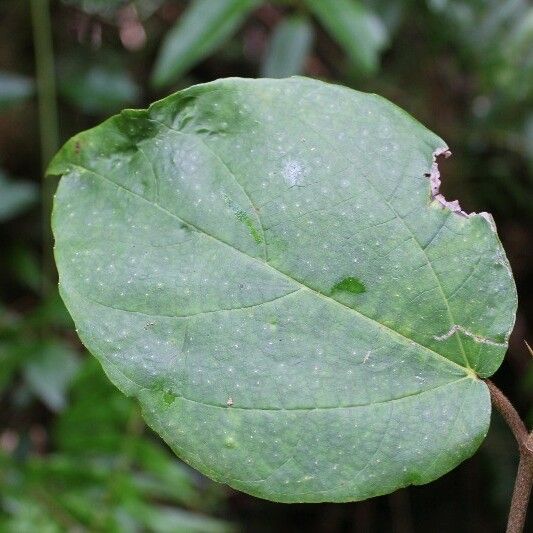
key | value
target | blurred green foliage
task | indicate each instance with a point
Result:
(74, 452)
(14, 88)
(15, 196)
(203, 27)
(105, 473)
(288, 48)
(97, 83)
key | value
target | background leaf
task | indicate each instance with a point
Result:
(294, 304)
(288, 49)
(15, 196)
(14, 88)
(204, 26)
(50, 372)
(99, 86)
(360, 33)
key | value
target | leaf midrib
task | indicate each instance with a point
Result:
(267, 265)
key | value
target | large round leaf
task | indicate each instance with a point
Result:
(269, 268)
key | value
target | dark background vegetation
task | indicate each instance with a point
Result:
(74, 453)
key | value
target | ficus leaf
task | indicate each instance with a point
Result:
(268, 266)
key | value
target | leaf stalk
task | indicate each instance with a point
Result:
(524, 477)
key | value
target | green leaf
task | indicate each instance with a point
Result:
(15, 196)
(50, 371)
(83, 429)
(248, 341)
(14, 88)
(102, 86)
(164, 519)
(358, 31)
(9, 360)
(25, 266)
(204, 26)
(289, 47)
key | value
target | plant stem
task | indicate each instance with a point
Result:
(521, 494)
(48, 125)
(524, 477)
(506, 409)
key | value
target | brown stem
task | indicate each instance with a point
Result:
(521, 494)
(524, 477)
(506, 409)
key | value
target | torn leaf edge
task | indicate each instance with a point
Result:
(435, 183)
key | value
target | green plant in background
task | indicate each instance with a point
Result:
(97, 85)
(288, 49)
(270, 269)
(15, 196)
(105, 474)
(206, 25)
(14, 89)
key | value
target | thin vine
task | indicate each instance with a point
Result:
(48, 124)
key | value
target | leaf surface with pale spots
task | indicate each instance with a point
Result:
(263, 264)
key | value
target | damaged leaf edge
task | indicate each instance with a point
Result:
(435, 183)
(454, 206)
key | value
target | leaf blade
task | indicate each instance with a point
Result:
(247, 345)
